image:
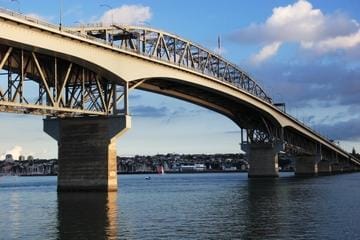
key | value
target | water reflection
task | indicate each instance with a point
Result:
(199, 206)
(275, 205)
(262, 208)
(87, 215)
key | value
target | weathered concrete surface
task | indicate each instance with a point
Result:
(87, 151)
(347, 168)
(263, 160)
(337, 168)
(324, 168)
(307, 165)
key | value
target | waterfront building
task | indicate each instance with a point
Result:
(197, 167)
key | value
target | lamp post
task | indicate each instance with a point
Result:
(60, 14)
(111, 10)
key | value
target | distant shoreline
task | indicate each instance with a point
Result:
(149, 173)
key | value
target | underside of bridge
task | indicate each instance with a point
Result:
(262, 138)
(80, 78)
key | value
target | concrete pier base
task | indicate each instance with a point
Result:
(337, 168)
(263, 160)
(307, 165)
(347, 168)
(324, 168)
(87, 151)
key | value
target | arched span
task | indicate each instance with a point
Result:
(214, 98)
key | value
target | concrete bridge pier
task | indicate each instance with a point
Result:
(324, 168)
(307, 165)
(337, 168)
(263, 159)
(347, 168)
(87, 151)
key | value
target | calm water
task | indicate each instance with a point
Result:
(184, 206)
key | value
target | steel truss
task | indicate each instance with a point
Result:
(260, 130)
(173, 49)
(298, 144)
(46, 85)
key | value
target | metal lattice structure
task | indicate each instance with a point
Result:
(46, 85)
(172, 49)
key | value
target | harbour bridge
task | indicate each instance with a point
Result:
(79, 78)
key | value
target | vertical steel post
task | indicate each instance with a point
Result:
(9, 81)
(114, 96)
(55, 90)
(144, 43)
(83, 89)
(242, 135)
(175, 50)
(21, 77)
(126, 98)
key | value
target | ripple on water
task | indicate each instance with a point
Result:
(184, 206)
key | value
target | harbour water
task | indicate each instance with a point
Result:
(185, 206)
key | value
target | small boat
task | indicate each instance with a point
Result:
(148, 178)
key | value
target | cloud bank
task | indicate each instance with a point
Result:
(304, 25)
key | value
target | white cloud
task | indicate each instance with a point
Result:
(266, 52)
(303, 24)
(127, 14)
(295, 22)
(336, 43)
(15, 152)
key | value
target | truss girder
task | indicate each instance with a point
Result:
(35, 83)
(298, 144)
(173, 49)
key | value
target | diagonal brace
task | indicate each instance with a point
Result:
(42, 76)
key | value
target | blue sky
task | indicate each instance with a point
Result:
(305, 53)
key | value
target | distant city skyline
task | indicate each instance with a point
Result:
(304, 53)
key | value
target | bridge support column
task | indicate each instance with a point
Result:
(347, 168)
(307, 165)
(324, 168)
(87, 151)
(263, 159)
(337, 168)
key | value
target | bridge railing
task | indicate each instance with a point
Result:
(28, 18)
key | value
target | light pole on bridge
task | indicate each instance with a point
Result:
(60, 14)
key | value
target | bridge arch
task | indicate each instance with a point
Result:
(211, 97)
